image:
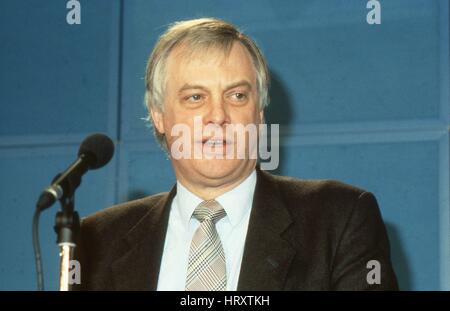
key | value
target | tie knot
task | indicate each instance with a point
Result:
(209, 210)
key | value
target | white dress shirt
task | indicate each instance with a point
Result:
(232, 230)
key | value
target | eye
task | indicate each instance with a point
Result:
(239, 96)
(194, 98)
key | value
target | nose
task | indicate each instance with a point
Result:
(217, 113)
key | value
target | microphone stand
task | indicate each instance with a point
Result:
(67, 226)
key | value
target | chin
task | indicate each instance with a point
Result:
(213, 172)
(220, 168)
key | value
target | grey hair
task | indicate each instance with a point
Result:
(198, 34)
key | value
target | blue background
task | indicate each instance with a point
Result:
(365, 104)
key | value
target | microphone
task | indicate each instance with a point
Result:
(95, 152)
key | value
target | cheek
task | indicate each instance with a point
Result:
(178, 119)
(170, 117)
(245, 114)
(247, 117)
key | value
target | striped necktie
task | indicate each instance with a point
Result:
(206, 267)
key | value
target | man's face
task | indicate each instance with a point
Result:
(221, 89)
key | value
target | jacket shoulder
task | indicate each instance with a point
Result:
(120, 218)
(291, 186)
(325, 201)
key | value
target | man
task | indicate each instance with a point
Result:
(226, 224)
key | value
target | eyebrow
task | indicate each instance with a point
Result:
(188, 86)
(239, 83)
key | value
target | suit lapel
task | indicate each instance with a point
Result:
(138, 266)
(267, 256)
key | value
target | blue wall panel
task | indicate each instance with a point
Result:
(57, 79)
(354, 72)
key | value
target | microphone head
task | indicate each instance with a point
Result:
(98, 149)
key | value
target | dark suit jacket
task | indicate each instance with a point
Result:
(302, 235)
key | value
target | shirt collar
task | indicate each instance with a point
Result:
(186, 203)
(242, 194)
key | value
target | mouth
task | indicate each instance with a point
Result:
(217, 146)
(214, 142)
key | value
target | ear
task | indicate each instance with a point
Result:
(261, 116)
(157, 117)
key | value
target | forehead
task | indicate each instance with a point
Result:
(210, 63)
